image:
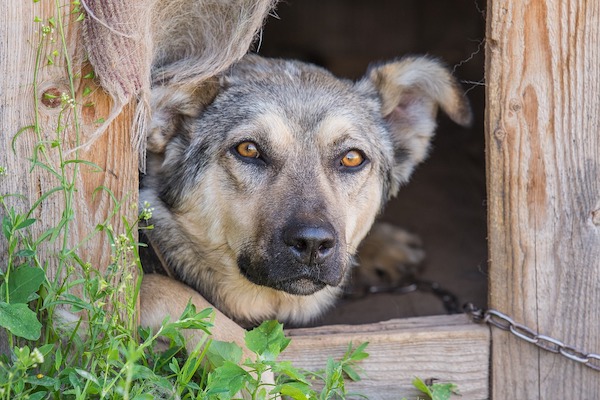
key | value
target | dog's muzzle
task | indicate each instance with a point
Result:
(302, 259)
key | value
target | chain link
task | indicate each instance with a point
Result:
(505, 323)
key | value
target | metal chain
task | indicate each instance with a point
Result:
(491, 317)
(410, 283)
(504, 322)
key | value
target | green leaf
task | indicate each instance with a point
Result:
(37, 395)
(46, 349)
(40, 380)
(174, 365)
(261, 394)
(43, 198)
(20, 320)
(76, 303)
(286, 368)
(267, 340)
(443, 391)
(144, 397)
(420, 385)
(228, 378)
(219, 352)
(359, 353)
(90, 164)
(88, 376)
(23, 283)
(164, 383)
(436, 391)
(44, 236)
(58, 358)
(25, 224)
(27, 253)
(296, 390)
(7, 227)
(13, 142)
(189, 319)
(330, 367)
(141, 372)
(112, 355)
(352, 374)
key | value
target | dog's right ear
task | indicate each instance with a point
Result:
(170, 104)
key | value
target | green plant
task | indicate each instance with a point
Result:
(434, 390)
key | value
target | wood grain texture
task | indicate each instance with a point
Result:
(448, 348)
(19, 40)
(543, 149)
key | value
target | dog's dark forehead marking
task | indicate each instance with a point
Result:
(304, 94)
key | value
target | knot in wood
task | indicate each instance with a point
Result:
(51, 97)
(500, 134)
(515, 105)
(596, 217)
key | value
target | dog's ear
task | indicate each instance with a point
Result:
(170, 104)
(411, 90)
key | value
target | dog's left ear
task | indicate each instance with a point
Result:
(411, 90)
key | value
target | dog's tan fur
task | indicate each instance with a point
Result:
(162, 296)
(219, 218)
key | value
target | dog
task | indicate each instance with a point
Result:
(266, 178)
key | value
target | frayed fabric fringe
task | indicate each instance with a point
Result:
(134, 44)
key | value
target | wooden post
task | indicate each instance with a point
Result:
(543, 149)
(20, 38)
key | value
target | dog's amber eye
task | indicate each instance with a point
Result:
(248, 150)
(353, 158)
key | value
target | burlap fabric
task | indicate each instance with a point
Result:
(133, 44)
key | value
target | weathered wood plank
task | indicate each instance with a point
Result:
(448, 348)
(543, 149)
(20, 36)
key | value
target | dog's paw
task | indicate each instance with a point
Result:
(386, 256)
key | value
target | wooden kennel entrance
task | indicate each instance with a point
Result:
(543, 168)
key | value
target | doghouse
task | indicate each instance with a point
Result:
(542, 115)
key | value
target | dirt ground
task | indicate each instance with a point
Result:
(445, 201)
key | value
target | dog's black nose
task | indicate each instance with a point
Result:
(310, 244)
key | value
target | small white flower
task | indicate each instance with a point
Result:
(36, 356)
(146, 212)
(46, 30)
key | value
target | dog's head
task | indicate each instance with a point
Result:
(280, 168)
